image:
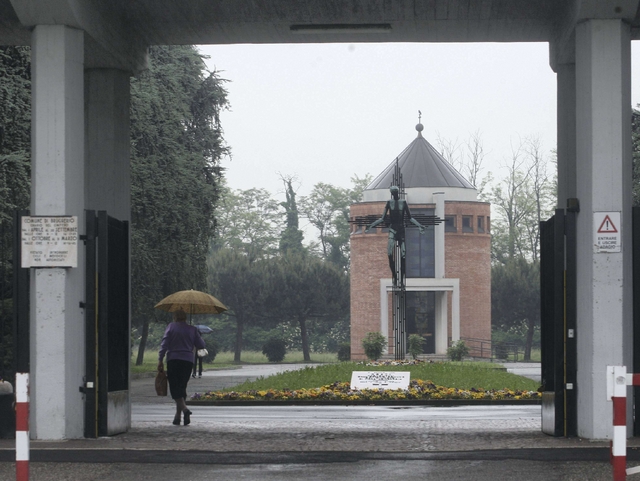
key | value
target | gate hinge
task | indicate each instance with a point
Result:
(83, 305)
(86, 388)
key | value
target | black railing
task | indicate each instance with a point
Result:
(494, 350)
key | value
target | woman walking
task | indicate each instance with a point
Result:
(178, 344)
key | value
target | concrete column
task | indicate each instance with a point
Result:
(438, 200)
(442, 336)
(57, 327)
(566, 79)
(603, 174)
(441, 297)
(455, 311)
(107, 144)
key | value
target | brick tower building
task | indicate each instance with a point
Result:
(448, 268)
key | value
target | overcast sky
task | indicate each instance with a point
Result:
(327, 112)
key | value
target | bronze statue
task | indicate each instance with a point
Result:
(398, 210)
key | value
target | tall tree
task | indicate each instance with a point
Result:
(467, 158)
(520, 201)
(176, 145)
(248, 221)
(246, 287)
(15, 182)
(635, 137)
(309, 288)
(15, 130)
(291, 239)
(524, 198)
(515, 298)
(327, 209)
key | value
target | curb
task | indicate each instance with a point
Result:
(411, 402)
(173, 456)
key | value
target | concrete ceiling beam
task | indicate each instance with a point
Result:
(110, 40)
(562, 46)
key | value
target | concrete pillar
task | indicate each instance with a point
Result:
(442, 334)
(566, 79)
(603, 174)
(441, 297)
(438, 200)
(107, 145)
(57, 328)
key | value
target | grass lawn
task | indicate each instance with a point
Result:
(225, 359)
(461, 375)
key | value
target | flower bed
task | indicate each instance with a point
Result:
(419, 390)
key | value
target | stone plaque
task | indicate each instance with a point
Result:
(49, 241)
(380, 379)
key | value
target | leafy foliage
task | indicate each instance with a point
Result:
(458, 351)
(327, 209)
(344, 352)
(246, 287)
(374, 344)
(291, 238)
(635, 136)
(309, 288)
(275, 349)
(415, 345)
(176, 146)
(248, 221)
(15, 182)
(515, 298)
(526, 196)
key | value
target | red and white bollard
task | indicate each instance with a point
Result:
(617, 381)
(22, 426)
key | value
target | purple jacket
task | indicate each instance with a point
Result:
(178, 342)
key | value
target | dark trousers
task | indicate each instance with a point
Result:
(197, 362)
(178, 372)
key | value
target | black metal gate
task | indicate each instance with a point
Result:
(106, 383)
(558, 323)
(636, 310)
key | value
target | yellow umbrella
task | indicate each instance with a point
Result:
(193, 302)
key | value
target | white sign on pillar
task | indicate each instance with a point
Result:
(49, 241)
(607, 232)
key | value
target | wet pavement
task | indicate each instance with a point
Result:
(318, 442)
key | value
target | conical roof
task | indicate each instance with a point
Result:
(421, 166)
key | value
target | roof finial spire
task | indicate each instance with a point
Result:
(419, 127)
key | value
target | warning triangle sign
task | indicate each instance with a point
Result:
(607, 226)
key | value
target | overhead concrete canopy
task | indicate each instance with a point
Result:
(118, 31)
(92, 46)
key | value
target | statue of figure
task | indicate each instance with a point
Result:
(397, 209)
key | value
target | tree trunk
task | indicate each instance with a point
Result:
(527, 347)
(305, 339)
(238, 343)
(143, 342)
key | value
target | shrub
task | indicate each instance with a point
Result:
(458, 351)
(275, 349)
(415, 345)
(501, 350)
(212, 348)
(373, 345)
(344, 352)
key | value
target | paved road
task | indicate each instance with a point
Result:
(364, 469)
(317, 443)
(365, 415)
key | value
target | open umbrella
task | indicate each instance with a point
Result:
(193, 302)
(204, 329)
